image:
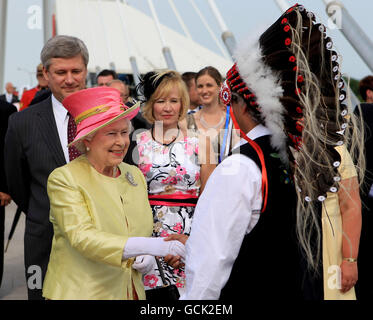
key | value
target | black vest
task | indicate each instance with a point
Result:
(267, 266)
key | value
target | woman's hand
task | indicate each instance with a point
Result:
(180, 237)
(143, 264)
(350, 206)
(138, 246)
(349, 275)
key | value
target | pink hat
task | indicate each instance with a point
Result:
(95, 108)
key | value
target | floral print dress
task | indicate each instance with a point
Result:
(173, 170)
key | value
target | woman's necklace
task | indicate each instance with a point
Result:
(166, 144)
(208, 126)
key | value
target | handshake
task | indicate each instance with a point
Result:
(145, 249)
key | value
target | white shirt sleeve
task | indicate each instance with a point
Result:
(62, 120)
(227, 209)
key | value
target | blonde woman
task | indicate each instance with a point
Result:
(175, 163)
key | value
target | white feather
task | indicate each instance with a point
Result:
(266, 86)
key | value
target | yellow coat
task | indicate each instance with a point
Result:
(93, 216)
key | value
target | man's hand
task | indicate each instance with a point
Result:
(175, 261)
(180, 237)
(5, 199)
(349, 275)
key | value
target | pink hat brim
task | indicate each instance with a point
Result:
(129, 114)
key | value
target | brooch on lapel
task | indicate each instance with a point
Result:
(130, 179)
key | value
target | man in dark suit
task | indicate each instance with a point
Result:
(6, 109)
(364, 286)
(36, 144)
(9, 96)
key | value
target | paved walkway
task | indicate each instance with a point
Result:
(13, 286)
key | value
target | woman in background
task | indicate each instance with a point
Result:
(213, 118)
(175, 162)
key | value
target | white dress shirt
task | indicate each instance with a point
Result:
(62, 120)
(227, 210)
(8, 97)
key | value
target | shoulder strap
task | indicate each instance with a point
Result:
(160, 268)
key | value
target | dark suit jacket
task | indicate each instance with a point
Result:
(14, 98)
(6, 109)
(367, 114)
(33, 150)
(40, 96)
(364, 286)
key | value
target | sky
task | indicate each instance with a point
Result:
(243, 17)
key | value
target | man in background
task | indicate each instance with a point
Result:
(122, 88)
(10, 94)
(190, 81)
(29, 95)
(106, 76)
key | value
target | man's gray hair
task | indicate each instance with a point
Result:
(63, 47)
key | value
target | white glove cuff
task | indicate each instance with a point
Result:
(137, 246)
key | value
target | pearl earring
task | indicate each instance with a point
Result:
(88, 149)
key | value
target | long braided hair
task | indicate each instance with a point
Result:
(291, 78)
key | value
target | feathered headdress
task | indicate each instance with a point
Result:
(290, 78)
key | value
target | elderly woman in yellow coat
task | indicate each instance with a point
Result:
(99, 208)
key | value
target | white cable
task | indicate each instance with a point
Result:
(209, 29)
(218, 16)
(125, 31)
(157, 23)
(108, 47)
(182, 24)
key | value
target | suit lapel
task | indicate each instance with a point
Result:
(49, 131)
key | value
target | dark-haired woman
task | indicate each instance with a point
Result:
(175, 163)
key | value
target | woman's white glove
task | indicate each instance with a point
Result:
(144, 264)
(137, 246)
